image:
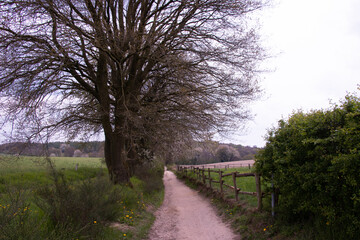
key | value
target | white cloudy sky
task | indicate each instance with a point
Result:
(316, 49)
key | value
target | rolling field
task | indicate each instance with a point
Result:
(12, 164)
(29, 172)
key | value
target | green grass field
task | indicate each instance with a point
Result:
(11, 164)
(32, 172)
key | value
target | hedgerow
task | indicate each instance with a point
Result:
(313, 160)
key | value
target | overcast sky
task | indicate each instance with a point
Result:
(316, 49)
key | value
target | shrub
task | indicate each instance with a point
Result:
(314, 161)
(81, 207)
(17, 219)
(151, 173)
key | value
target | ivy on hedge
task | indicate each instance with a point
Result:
(314, 159)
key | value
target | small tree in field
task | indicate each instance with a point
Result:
(148, 74)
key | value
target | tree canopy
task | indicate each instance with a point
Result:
(149, 74)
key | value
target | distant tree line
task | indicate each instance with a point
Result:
(198, 153)
(55, 149)
(210, 152)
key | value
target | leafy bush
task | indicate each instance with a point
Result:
(17, 218)
(314, 160)
(151, 174)
(80, 208)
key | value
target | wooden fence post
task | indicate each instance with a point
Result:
(203, 176)
(209, 177)
(235, 188)
(221, 182)
(258, 190)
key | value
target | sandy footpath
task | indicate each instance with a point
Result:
(187, 215)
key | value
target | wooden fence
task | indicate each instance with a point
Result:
(204, 176)
(225, 166)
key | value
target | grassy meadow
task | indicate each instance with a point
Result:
(15, 164)
(32, 172)
(40, 202)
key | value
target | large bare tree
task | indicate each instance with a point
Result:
(148, 73)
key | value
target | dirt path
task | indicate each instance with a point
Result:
(187, 215)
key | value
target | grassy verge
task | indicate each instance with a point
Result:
(36, 203)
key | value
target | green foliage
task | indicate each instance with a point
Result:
(17, 220)
(82, 207)
(151, 174)
(223, 155)
(314, 161)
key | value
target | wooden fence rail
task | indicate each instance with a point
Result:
(219, 166)
(204, 175)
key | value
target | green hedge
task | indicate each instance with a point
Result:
(314, 159)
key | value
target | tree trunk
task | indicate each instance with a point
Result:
(116, 159)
